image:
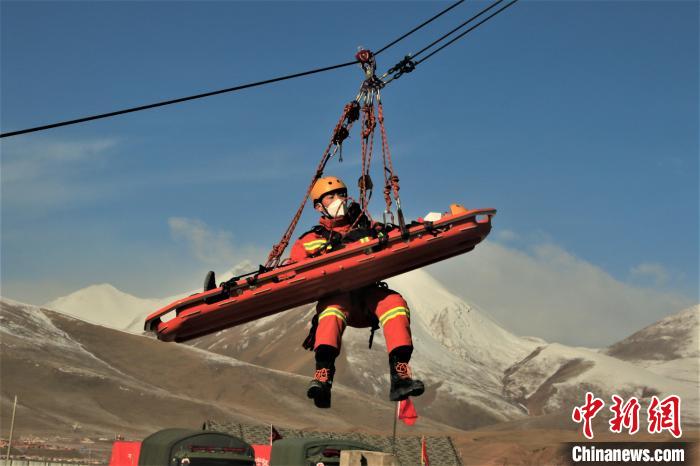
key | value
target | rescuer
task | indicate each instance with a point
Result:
(371, 306)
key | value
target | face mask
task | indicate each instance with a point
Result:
(336, 208)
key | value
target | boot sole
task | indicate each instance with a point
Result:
(403, 393)
(321, 399)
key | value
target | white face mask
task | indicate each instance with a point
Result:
(336, 208)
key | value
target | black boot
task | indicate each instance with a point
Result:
(402, 385)
(320, 387)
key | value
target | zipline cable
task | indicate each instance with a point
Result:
(408, 63)
(457, 28)
(418, 27)
(220, 91)
(467, 31)
(174, 101)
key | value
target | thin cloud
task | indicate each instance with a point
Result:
(32, 160)
(44, 173)
(214, 248)
(656, 272)
(550, 293)
(507, 235)
(209, 247)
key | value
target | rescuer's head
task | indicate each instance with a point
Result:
(329, 196)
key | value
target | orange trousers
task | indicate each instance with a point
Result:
(338, 311)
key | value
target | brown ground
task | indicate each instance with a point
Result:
(542, 446)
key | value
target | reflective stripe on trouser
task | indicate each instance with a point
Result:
(331, 324)
(395, 319)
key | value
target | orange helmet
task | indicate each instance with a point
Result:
(324, 186)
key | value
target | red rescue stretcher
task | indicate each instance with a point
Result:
(352, 267)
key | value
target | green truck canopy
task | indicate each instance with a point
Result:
(169, 447)
(311, 451)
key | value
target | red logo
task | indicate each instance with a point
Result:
(661, 415)
(665, 415)
(587, 412)
(625, 415)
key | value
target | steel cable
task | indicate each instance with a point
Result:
(468, 30)
(408, 63)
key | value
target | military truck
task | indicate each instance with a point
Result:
(310, 451)
(185, 447)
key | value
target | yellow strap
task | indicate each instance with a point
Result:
(394, 312)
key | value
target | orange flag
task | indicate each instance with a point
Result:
(406, 412)
(424, 461)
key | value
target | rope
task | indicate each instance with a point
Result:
(390, 179)
(368, 125)
(273, 258)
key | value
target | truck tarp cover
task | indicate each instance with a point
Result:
(125, 453)
(160, 448)
(312, 451)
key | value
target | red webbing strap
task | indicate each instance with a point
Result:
(369, 123)
(278, 249)
(391, 181)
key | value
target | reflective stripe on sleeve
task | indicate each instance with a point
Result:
(315, 244)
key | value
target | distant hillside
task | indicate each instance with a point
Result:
(66, 372)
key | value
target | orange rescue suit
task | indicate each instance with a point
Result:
(337, 311)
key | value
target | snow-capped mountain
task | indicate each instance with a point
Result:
(460, 352)
(674, 337)
(661, 359)
(555, 377)
(477, 373)
(107, 306)
(669, 347)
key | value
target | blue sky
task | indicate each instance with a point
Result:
(577, 120)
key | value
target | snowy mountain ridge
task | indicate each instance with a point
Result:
(105, 305)
(673, 337)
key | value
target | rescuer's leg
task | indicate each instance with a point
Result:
(395, 318)
(331, 324)
(402, 384)
(320, 387)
